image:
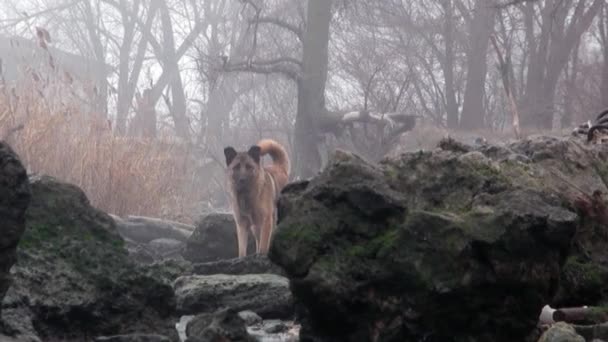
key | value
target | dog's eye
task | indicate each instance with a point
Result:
(248, 167)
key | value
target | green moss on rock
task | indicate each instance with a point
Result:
(442, 242)
(76, 274)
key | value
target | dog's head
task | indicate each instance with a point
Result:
(243, 167)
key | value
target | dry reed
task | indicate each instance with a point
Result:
(43, 117)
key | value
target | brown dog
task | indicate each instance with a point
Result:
(254, 190)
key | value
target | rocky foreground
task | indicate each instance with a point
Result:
(457, 244)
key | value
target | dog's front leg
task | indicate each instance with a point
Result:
(266, 234)
(256, 236)
(242, 234)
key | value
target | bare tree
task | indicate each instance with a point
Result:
(313, 119)
(481, 26)
(562, 23)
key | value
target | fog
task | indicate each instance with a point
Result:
(132, 98)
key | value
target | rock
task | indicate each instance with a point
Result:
(266, 294)
(5, 338)
(154, 251)
(566, 166)
(427, 245)
(214, 239)
(250, 317)
(181, 326)
(133, 338)
(222, 325)
(275, 331)
(593, 332)
(168, 270)
(18, 322)
(145, 229)
(75, 277)
(561, 162)
(561, 332)
(167, 248)
(251, 264)
(15, 190)
(141, 252)
(276, 327)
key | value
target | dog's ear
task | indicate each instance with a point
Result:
(254, 153)
(229, 153)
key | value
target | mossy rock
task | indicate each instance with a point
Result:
(75, 275)
(14, 200)
(439, 245)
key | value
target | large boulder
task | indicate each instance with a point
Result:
(74, 277)
(214, 238)
(447, 245)
(15, 190)
(265, 294)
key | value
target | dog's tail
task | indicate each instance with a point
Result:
(277, 153)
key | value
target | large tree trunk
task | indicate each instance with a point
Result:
(481, 27)
(311, 88)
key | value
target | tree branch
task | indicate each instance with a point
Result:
(280, 60)
(280, 23)
(26, 16)
(283, 65)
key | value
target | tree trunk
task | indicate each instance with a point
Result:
(127, 82)
(221, 100)
(178, 112)
(123, 100)
(223, 92)
(604, 86)
(100, 96)
(450, 92)
(481, 27)
(570, 92)
(311, 88)
(603, 25)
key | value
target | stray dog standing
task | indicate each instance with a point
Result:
(254, 190)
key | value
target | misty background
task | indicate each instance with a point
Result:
(134, 101)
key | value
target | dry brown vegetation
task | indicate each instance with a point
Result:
(46, 122)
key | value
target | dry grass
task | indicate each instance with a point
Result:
(123, 176)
